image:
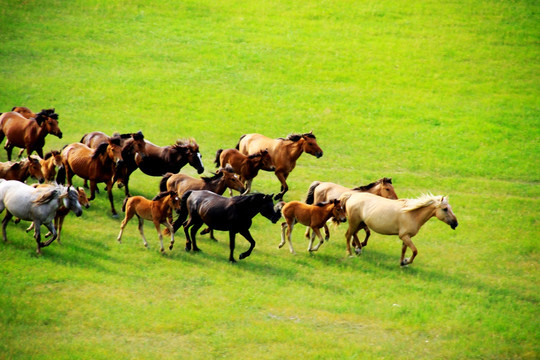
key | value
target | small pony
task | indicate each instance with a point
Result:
(247, 166)
(22, 170)
(158, 210)
(314, 216)
(51, 161)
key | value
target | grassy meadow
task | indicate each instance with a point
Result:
(441, 96)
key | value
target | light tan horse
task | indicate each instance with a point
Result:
(51, 161)
(314, 216)
(327, 191)
(284, 152)
(402, 217)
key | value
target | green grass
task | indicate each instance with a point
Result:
(440, 96)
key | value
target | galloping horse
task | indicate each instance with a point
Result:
(161, 160)
(247, 166)
(327, 191)
(226, 214)
(402, 217)
(284, 152)
(95, 165)
(38, 205)
(158, 210)
(223, 179)
(28, 133)
(132, 144)
(314, 216)
(51, 161)
(22, 170)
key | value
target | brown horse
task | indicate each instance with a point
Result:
(26, 133)
(132, 144)
(314, 216)
(96, 165)
(327, 191)
(51, 161)
(223, 179)
(246, 166)
(158, 210)
(161, 160)
(284, 152)
(24, 111)
(22, 170)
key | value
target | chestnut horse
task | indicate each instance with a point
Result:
(314, 216)
(24, 111)
(326, 191)
(223, 179)
(247, 166)
(132, 144)
(51, 161)
(161, 160)
(158, 210)
(96, 165)
(284, 152)
(26, 133)
(402, 217)
(22, 170)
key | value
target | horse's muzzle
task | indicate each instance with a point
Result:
(200, 171)
(59, 135)
(319, 154)
(78, 213)
(454, 225)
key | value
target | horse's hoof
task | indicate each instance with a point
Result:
(242, 256)
(170, 247)
(232, 261)
(405, 262)
(358, 251)
(188, 249)
(196, 249)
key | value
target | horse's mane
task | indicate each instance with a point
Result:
(100, 150)
(297, 137)
(185, 144)
(161, 195)
(375, 183)
(45, 113)
(421, 202)
(216, 176)
(47, 197)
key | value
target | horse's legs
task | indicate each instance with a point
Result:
(109, 191)
(58, 223)
(141, 230)
(52, 229)
(289, 226)
(282, 177)
(169, 226)
(308, 233)
(29, 228)
(194, 230)
(351, 231)
(232, 244)
(4, 224)
(129, 214)
(326, 232)
(157, 225)
(20, 152)
(248, 186)
(407, 243)
(187, 225)
(283, 230)
(9, 149)
(245, 233)
(319, 235)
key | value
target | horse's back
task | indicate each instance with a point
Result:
(93, 139)
(380, 214)
(327, 191)
(253, 143)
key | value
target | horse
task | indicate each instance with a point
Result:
(96, 165)
(314, 216)
(233, 214)
(161, 160)
(62, 212)
(326, 191)
(22, 170)
(247, 166)
(402, 217)
(49, 163)
(26, 133)
(132, 144)
(24, 111)
(158, 210)
(38, 205)
(284, 152)
(223, 179)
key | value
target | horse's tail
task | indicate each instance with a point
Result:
(218, 154)
(163, 182)
(124, 204)
(182, 212)
(238, 145)
(311, 192)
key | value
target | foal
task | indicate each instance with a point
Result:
(314, 216)
(22, 170)
(49, 163)
(158, 210)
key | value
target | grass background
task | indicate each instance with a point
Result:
(441, 96)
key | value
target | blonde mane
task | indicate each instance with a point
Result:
(422, 201)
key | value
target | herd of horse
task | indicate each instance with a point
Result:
(100, 158)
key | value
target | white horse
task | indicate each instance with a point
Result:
(402, 217)
(38, 205)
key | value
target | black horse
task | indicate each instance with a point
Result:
(226, 214)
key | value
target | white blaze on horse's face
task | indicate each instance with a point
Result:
(445, 214)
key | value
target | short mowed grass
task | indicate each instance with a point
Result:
(441, 96)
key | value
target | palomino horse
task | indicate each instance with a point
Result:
(327, 191)
(158, 210)
(96, 165)
(51, 161)
(22, 170)
(226, 214)
(402, 217)
(314, 216)
(284, 152)
(38, 205)
(247, 166)
(26, 133)
(132, 144)
(161, 160)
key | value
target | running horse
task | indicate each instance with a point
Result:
(284, 152)
(327, 191)
(402, 217)
(22, 170)
(96, 165)
(26, 133)
(24, 111)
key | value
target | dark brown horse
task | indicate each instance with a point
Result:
(22, 170)
(26, 133)
(246, 166)
(284, 152)
(96, 165)
(132, 144)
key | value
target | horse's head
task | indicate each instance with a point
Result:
(34, 168)
(231, 179)
(338, 212)
(139, 144)
(265, 161)
(83, 198)
(443, 212)
(48, 119)
(190, 150)
(267, 208)
(174, 201)
(70, 200)
(310, 145)
(114, 150)
(24, 111)
(386, 189)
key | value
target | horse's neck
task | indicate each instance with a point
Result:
(217, 186)
(422, 215)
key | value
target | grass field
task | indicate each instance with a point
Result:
(441, 96)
